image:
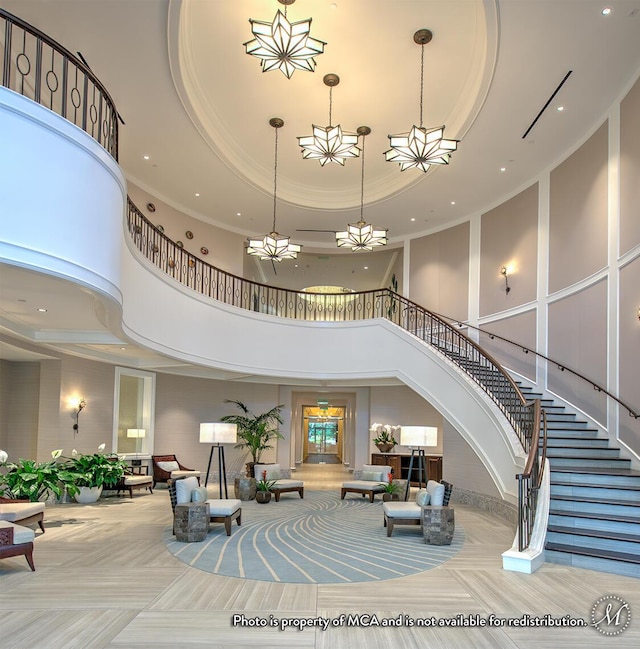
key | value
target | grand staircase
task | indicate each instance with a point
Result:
(594, 518)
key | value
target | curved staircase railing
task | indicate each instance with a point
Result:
(35, 66)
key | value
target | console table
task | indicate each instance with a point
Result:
(400, 465)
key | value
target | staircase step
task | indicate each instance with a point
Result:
(614, 492)
(594, 504)
(589, 462)
(604, 522)
(553, 424)
(619, 478)
(567, 441)
(588, 452)
(596, 539)
(593, 559)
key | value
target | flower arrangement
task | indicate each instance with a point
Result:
(264, 484)
(390, 487)
(384, 434)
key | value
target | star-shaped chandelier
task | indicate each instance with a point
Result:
(361, 235)
(284, 46)
(421, 147)
(274, 246)
(329, 143)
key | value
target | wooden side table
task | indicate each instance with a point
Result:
(191, 522)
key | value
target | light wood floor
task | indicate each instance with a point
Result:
(105, 579)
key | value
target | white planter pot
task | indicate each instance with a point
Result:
(88, 495)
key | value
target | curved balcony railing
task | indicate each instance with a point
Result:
(37, 67)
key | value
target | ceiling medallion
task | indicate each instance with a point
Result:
(329, 143)
(274, 246)
(420, 147)
(282, 45)
(361, 235)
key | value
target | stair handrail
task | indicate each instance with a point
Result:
(78, 95)
(530, 480)
(633, 412)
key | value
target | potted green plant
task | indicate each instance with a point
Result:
(263, 489)
(384, 437)
(93, 472)
(255, 431)
(390, 488)
(35, 481)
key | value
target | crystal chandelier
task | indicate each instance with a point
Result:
(329, 143)
(274, 246)
(282, 45)
(421, 147)
(361, 235)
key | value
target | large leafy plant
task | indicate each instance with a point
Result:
(28, 479)
(96, 470)
(255, 431)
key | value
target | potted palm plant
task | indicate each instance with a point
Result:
(93, 472)
(255, 432)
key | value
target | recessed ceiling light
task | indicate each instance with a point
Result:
(366, 267)
(453, 202)
(413, 219)
(197, 194)
(124, 349)
(560, 109)
(606, 11)
(41, 310)
(238, 213)
(295, 265)
(503, 168)
(146, 157)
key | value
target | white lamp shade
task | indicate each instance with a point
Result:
(218, 433)
(136, 432)
(418, 436)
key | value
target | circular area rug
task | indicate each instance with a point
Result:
(319, 539)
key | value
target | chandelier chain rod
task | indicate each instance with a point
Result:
(275, 181)
(362, 183)
(421, 82)
(330, 104)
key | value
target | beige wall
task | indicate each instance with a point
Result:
(509, 236)
(629, 344)
(520, 328)
(578, 338)
(630, 170)
(225, 248)
(439, 271)
(578, 213)
(19, 397)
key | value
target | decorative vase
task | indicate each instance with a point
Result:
(245, 488)
(263, 496)
(387, 497)
(88, 495)
(385, 447)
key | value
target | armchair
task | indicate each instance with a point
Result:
(16, 540)
(283, 481)
(167, 467)
(367, 481)
(23, 512)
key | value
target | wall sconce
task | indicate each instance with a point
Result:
(505, 272)
(639, 313)
(78, 408)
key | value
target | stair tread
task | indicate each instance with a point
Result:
(600, 534)
(595, 552)
(584, 457)
(617, 471)
(604, 516)
(598, 501)
(561, 483)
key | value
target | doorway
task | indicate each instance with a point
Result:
(323, 430)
